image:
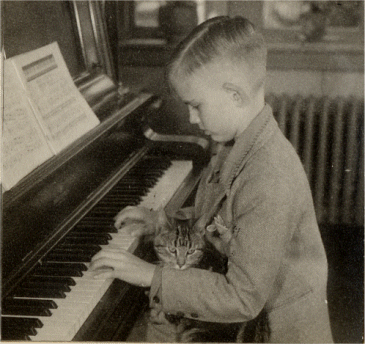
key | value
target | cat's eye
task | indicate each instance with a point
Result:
(191, 250)
(172, 249)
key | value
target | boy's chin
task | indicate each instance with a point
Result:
(221, 139)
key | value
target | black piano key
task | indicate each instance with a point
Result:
(23, 328)
(79, 266)
(13, 333)
(10, 302)
(87, 227)
(135, 182)
(62, 272)
(123, 195)
(108, 210)
(23, 310)
(153, 176)
(88, 235)
(94, 222)
(91, 240)
(128, 189)
(139, 179)
(53, 285)
(20, 322)
(125, 190)
(50, 279)
(76, 249)
(96, 214)
(46, 293)
(120, 199)
(66, 257)
(115, 205)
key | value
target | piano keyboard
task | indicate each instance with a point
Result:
(56, 298)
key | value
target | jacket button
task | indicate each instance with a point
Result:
(156, 299)
(194, 315)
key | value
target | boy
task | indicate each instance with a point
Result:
(267, 226)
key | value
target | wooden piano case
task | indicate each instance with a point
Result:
(45, 205)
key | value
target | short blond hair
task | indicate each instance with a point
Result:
(233, 39)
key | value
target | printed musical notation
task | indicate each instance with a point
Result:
(44, 112)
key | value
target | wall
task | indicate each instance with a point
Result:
(316, 83)
(324, 68)
(333, 67)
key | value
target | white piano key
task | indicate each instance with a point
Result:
(73, 311)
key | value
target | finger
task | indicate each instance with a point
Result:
(113, 253)
(211, 228)
(133, 229)
(221, 228)
(103, 274)
(105, 263)
(133, 212)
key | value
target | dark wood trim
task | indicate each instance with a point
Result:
(282, 56)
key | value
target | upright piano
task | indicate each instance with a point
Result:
(57, 217)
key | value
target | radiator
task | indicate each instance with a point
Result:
(328, 134)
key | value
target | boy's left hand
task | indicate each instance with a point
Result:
(119, 263)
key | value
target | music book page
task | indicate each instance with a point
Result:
(61, 110)
(24, 146)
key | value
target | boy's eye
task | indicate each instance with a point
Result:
(194, 106)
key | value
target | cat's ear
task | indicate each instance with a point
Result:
(201, 223)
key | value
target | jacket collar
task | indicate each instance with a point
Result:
(256, 134)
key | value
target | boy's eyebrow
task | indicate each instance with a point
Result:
(189, 102)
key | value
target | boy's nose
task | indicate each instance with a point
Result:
(193, 116)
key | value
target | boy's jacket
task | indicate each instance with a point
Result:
(276, 255)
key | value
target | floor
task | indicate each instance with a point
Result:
(345, 251)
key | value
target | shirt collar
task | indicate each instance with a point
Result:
(254, 136)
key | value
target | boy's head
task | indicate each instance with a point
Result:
(219, 72)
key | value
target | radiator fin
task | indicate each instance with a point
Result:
(328, 133)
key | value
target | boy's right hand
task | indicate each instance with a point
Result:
(136, 221)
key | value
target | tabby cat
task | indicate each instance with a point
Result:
(180, 244)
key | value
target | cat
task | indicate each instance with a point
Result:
(181, 244)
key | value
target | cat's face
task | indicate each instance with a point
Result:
(178, 244)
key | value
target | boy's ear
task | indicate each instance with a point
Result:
(236, 93)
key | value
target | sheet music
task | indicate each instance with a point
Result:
(23, 145)
(62, 112)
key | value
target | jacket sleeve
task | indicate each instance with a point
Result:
(264, 215)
